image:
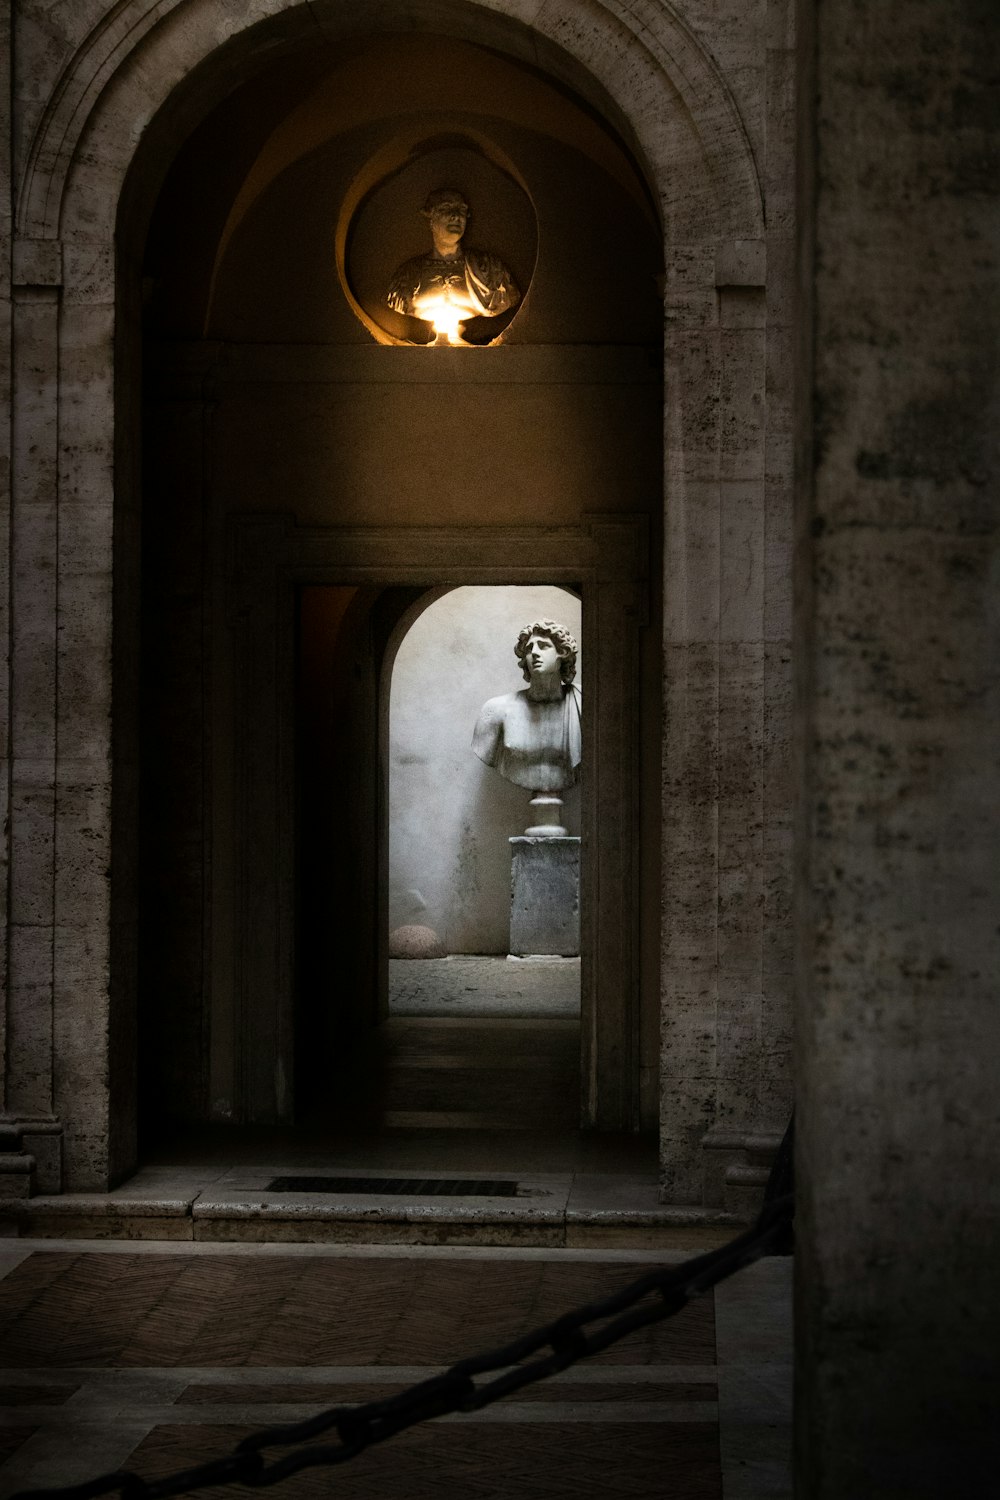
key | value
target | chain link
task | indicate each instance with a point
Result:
(657, 1295)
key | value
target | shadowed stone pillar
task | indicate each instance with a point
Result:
(898, 1024)
(29, 1084)
(725, 1071)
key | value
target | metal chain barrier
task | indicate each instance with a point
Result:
(657, 1295)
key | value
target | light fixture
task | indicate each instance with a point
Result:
(445, 318)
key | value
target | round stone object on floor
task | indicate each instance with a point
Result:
(414, 941)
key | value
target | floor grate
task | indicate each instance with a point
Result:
(414, 1187)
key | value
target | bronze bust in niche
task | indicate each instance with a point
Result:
(452, 283)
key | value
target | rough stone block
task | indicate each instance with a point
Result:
(741, 263)
(545, 896)
(37, 262)
(16, 1170)
(43, 1145)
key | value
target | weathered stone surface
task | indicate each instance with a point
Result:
(545, 896)
(414, 941)
(702, 93)
(897, 1025)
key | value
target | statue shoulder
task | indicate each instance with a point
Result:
(404, 283)
(489, 735)
(492, 281)
(494, 710)
(485, 263)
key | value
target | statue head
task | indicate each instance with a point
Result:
(447, 212)
(566, 647)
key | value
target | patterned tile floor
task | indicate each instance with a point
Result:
(157, 1356)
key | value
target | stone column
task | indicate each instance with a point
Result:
(62, 1050)
(898, 1024)
(29, 1078)
(726, 1027)
(6, 352)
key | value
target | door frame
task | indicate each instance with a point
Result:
(270, 557)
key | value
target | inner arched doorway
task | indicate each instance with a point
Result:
(464, 1037)
(451, 817)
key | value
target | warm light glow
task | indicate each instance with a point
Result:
(444, 316)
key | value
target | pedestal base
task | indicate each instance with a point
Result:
(545, 896)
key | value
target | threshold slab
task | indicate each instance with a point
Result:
(231, 1204)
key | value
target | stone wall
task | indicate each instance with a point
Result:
(697, 96)
(726, 921)
(898, 687)
(898, 1025)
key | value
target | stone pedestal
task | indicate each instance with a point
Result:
(545, 896)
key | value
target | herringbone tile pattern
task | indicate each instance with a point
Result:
(11, 1439)
(117, 1320)
(35, 1395)
(67, 1309)
(211, 1394)
(479, 1462)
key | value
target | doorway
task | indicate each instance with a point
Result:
(437, 1026)
(452, 817)
(287, 447)
(276, 565)
(496, 1030)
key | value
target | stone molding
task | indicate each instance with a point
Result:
(148, 47)
(30, 1155)
(737, 1168)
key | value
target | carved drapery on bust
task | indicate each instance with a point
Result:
(533, 737)
(451, 284)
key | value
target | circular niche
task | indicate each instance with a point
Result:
(385, 228)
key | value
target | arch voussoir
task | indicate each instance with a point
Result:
(125, 70)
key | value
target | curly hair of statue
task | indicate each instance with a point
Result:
(561, 639)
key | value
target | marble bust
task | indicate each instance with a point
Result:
(452, 283)
(533, 737)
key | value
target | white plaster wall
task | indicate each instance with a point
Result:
(451, 816)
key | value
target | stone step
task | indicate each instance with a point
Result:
(561, 1212)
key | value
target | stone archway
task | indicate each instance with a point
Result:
(145, 75)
